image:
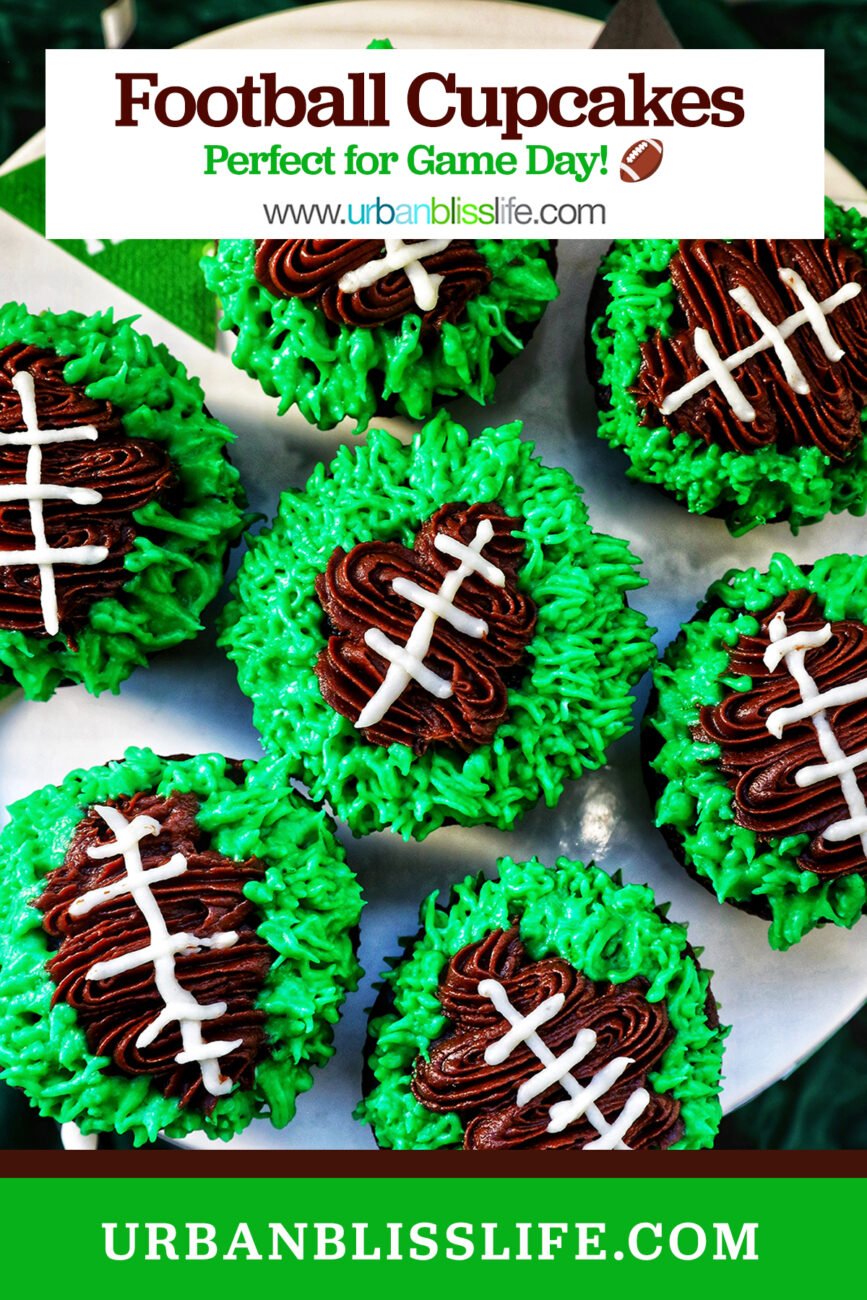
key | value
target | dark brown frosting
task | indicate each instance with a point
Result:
(128, 472)
(456, 1079)
(703, 272)
(206, 900)
(311, 269)
(761, 768)
(356, 593)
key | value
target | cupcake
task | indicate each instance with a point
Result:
(434, 633)
(117, 502)
(356, 327)
(734, 374)
(176, 939)
(756, 744)
(555, 1010)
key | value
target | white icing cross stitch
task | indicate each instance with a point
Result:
(558, 1070)
(178, 1003)
(35, 492)
(401, 257)
(792, 649)
(719, 369)
(406, 663)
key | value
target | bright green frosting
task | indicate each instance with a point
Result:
(604, 929)
(799, 484)
(177, 561)
(588, 650)
(332, 371)
(696, 804)
(309, 903)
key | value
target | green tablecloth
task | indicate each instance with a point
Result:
(822, 1106)
(162, 273)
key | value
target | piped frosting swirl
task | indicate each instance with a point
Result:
(823, 406)
(127, 472)
(457, 1077)
(763, 768)
(312, 269)
(357, 594)
(207, 900)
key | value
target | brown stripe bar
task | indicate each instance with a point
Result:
(433, 1164)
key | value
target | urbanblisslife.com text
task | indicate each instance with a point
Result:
(423, 1241)
(379, 211)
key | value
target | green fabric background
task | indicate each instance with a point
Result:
(162, 273)
(823, 1105)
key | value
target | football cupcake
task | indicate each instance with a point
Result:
(734, 374)
(756, 743)
(356, 327)
(176, 939)
(434, 633)
(555, 1010)
(117, 502)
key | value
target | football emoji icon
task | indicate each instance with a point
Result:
(641, 160)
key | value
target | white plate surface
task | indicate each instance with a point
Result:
(782, 1006)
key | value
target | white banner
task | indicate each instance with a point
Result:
(572, 144)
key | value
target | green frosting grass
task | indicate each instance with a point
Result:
(606, 930)
(177, 562)
(588, 650)
(333, 371)
(696, 805)
(798, 484)
(309, 902)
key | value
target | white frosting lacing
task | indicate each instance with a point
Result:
(557, 1070)
(401, 257)
(179, 1005)
(406, 663)
(791, 649)
(719, 369)
(35, 492)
